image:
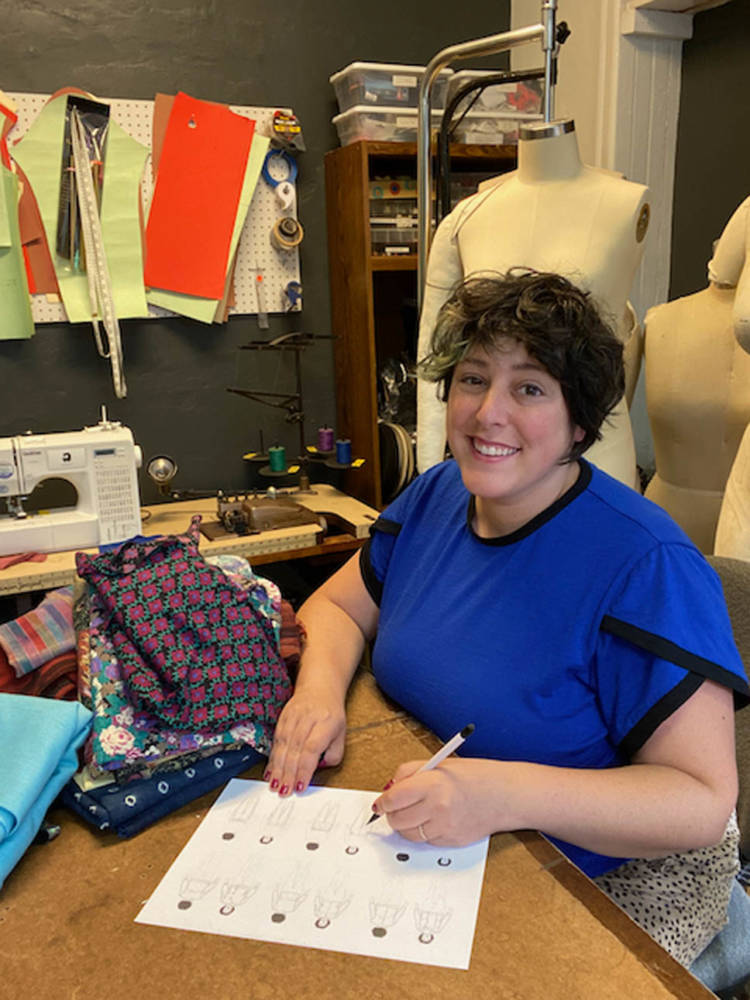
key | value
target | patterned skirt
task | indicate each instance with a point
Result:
(680, 900)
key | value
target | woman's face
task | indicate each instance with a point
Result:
(508, 428)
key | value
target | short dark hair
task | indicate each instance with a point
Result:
(558, 323)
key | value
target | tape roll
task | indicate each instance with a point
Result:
(287, 233)
(272, 159)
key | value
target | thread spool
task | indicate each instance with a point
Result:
(325, 438)
(344, 451)
(277, 458)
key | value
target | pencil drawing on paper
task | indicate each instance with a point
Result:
(310, 871)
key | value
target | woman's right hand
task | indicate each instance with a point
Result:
(311, 730)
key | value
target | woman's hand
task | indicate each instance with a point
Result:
(311, 731)
(452, 805)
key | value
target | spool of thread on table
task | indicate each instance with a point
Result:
(344, 451)
(325, 439)
(277, 458)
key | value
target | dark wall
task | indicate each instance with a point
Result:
(238, 53)
(712, 175)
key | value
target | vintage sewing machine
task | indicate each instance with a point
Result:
(101, 463)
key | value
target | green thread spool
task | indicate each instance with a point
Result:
(277, 458)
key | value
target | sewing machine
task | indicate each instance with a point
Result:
(100, 462)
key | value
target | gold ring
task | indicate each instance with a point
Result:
(422, 834)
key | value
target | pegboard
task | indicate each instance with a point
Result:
(255, 251)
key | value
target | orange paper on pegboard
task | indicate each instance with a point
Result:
(196, 196)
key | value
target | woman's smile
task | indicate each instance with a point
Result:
(490, 450)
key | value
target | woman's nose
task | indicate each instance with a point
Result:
(494, 406)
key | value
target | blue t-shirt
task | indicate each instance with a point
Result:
(567, 642)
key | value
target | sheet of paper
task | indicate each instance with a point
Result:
(121, 221)
(196, 197)
(202, 309)
(15, 307)
(39, 153)
(41, 271)
(310, 871)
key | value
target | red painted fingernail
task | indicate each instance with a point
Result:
(275, 784)
(375, 807)
(299, 786)
(267, 775)
(386, 787)
(284, 789)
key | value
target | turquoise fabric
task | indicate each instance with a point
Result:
(39, 738)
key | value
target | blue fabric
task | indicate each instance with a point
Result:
(129, 808)
(38, 742)
(566, 643)
(724, 965)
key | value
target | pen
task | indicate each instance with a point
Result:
(445, 751)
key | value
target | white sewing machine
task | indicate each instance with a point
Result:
(101, 464)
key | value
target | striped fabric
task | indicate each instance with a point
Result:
(37, 636)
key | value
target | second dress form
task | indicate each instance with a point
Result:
(552, 214)
(698, 400)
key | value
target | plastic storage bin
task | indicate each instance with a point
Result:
(523, 97)
(385, 84)
(491, 128)
(387, 124)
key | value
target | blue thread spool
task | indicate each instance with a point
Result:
(325, 439)
(344, 451)
(277, 458)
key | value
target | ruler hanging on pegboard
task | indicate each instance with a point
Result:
(97, 270)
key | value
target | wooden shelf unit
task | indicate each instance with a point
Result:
(362, 283)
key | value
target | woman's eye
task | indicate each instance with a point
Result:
(471, 380)
(531, 390)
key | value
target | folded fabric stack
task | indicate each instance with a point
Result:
(181, 664)
(39, 738)
(184, 662)
(37, 650)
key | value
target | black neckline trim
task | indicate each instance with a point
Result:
(581, 483)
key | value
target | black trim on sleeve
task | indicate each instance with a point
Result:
(665, 706)
(373, 586)
(667, 650)
(386, 526)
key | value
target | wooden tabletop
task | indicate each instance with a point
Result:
(352, 519)
(544, 931)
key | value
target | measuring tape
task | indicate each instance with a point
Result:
(97, 271)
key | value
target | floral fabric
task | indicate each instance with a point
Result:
(194, 649)
(127, 742)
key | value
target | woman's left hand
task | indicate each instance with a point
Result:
(452, 805)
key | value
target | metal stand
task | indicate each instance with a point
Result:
(492, 44)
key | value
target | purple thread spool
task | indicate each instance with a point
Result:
(325, 439)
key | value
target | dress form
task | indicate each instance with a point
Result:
(730, 268)
(553, 214)
(698, 401)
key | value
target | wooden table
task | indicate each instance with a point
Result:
(353, 517)
(544, 931)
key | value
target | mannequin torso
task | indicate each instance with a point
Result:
(698, 393)
(552, 214)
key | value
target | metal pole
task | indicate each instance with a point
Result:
(548, 45)
(492, 44)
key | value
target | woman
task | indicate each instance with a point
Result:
(521, 589)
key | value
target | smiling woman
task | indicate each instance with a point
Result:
(518, 587)
(530, 371)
